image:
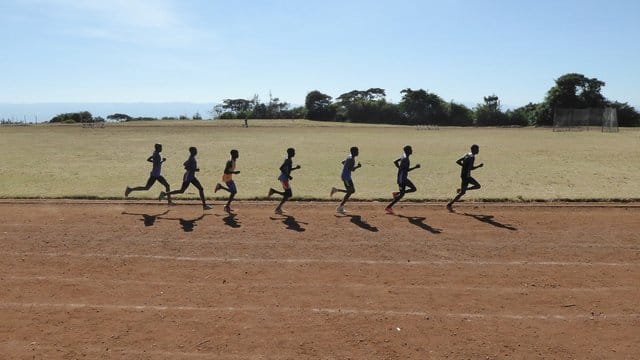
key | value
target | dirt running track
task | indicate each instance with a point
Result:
(141, 280)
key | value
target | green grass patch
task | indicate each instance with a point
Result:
(65, 161)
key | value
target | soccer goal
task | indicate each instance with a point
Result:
(610, 120)
(582, 119)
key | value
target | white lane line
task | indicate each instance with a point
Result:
(328, 261)
(107, 350)
(333, 311)
(464, 243)
(477, 315)
(263, 284)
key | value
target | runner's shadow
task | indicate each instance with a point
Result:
(357, 219)
(419, 222)
(489, 220)
(230, 220)
(148, 220)
(292, 223)
(187, 225)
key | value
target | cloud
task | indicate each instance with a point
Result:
(151, 22)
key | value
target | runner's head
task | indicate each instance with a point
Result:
(158, 147)
(234, 154)
(354, 151)
(408, 150)
(291, 152)
(193, 151)
(475, 149)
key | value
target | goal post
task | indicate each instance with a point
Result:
(581, 119)
(610, 120)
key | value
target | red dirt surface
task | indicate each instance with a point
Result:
(141, 280)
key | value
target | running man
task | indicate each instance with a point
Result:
(348, 166)
(155, 174)
(404, 167)
(285, 176)
(467, 166)
(191, 167)
(227, 179)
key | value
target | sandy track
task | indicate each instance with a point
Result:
(131, 280)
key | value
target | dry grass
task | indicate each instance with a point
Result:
(71, 161)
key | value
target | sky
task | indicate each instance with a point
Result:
(205, 51)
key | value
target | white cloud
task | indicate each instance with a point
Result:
(152, 22)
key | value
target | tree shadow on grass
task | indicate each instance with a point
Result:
(187, 225)
(231, 221)
(489, 219)
(148, 220)
(291, 222)
(419, 222)
(357, 220)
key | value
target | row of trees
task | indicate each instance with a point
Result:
(76, 117)
(256, 109)
(87, 117)
(415, 107)
(422, 107)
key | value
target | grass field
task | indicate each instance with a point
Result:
(520, 164)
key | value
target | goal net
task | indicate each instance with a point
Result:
(610, 120)
(582, 119)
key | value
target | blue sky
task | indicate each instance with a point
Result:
(205, 51)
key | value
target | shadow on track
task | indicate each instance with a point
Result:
(357, 220)
(231, 221)
(148, 220)
(419, 222)
(187, 225)
(489, 219)
(291, 222)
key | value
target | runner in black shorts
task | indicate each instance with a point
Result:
(467, 166)
(155, 175)
(285, 175)
(348, 166)
(404, 166)
(189, 178)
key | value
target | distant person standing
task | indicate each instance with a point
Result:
(348, 166)
(465, 174)
(227, 179)
(404, 167)
(155, 174)
(285, 176)
(189, 178)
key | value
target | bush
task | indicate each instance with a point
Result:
(70, 118)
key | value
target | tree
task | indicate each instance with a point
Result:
(627, 115)
(318, 106)
(70, 118)
(421, 107)
(367, 106)
(119, 117)
(571, 90)
(458, 115)
(237, 108)
(489, 113)
(524, 115)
